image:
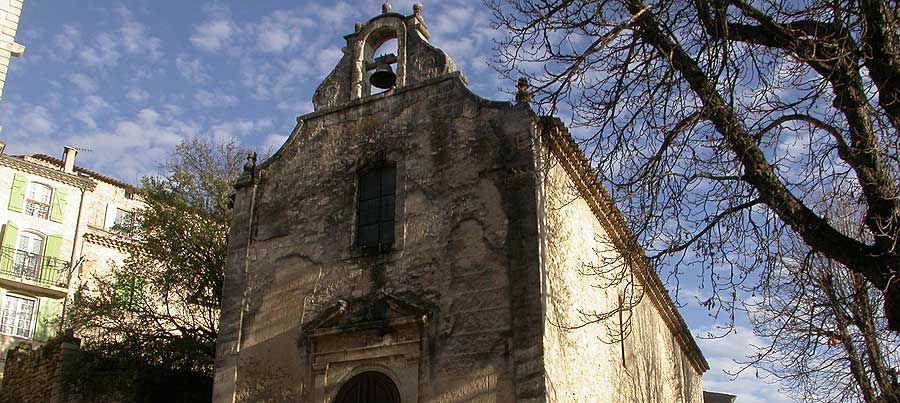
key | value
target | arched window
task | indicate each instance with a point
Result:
(27, 261)
(368, 387)
(37, 200)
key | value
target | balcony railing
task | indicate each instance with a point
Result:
(37, 209)
(27, 266)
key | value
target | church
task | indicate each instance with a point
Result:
(423, 244)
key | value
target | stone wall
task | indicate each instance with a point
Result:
(590, 359)
(33, 375)
(60, 372)
(466, 244)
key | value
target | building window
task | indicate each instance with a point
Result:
(37, 200)
(375, 216)
(124, 222)
(27, 258)
(18, 316)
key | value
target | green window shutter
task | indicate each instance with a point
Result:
(58, 205)
(121, 291)
(128, 293)
(17, 193)
(10, 235)
(47, 319)
(52, 266)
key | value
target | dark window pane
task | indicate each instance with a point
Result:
(387, 208)
(369, 211)
(369, 185)
(377, 205)
(388, 180)
(387, 232)
(368, 235)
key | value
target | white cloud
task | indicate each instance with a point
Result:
(190, 69)
(285, 30)
(37, 120)
(273, 142)
(721, 353)
(216, 98)
(328, 58)
(273, 38)
(239, 128)
(213, 34)
(135, 38)
(68, 40)
(83, 82)
(296, 106)
(137, 95)
(103, 53)
(132, 147)
(333, 15)
(91, 105)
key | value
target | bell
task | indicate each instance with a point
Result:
(383, 77)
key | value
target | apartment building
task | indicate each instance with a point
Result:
(62, 227)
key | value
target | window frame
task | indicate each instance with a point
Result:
(35, 205)
(15, 324)
(124, 222)
(379, 246)
(37, 258)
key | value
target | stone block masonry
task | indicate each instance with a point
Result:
(34, 375)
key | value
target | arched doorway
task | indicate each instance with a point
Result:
(368, 387)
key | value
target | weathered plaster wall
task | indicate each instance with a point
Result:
(465, 243)
(584, 360)
(99, 261)
(108, 196)
(102, 248)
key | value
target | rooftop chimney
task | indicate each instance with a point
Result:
(69, 159)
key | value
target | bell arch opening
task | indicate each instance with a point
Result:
(368, 387)
(380, 61)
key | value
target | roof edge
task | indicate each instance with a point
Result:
(34, 168)
(94, 175)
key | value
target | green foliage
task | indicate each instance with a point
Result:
(158, 311)
(87, 376)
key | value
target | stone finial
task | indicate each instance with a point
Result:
(247, 177)
(358, 27)
(386, 7)
(250, 166)
(522, 91)
(417, 8)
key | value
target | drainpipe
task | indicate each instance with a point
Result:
(75, 270)
(248, 177)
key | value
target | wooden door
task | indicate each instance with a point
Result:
(369, 387)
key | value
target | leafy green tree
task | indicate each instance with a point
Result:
(158, 314)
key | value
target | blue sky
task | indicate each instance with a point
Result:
(129, 81)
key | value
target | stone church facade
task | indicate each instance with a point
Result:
(427, 245)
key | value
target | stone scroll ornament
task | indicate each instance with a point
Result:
(422, 61)
(335, 90)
